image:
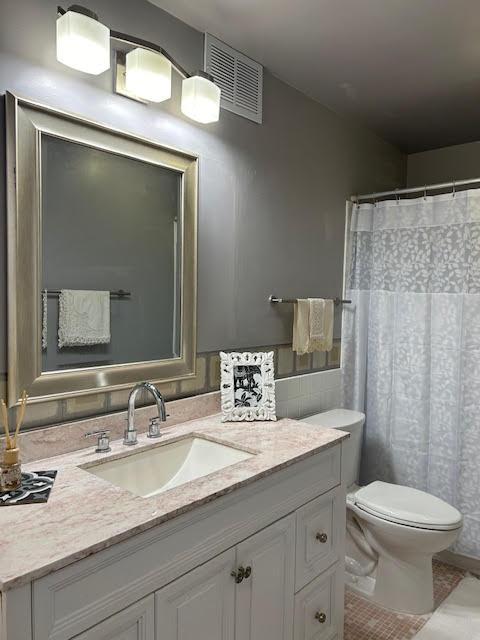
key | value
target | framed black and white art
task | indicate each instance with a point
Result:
(247, 386)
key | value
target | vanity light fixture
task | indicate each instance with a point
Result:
(83, 42)
(201, 98)
(143, 74)
(148, 75)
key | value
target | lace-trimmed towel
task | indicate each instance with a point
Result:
(84, 318)
(313, 325)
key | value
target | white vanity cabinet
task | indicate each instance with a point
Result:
(264, 562)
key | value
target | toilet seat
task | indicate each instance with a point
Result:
(407, 506)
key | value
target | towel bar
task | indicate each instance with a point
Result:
(274, 300)
(120, 293)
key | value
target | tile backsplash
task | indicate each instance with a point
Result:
(287, 365)
(304, 395)
(296, 397)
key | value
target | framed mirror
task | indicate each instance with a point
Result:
(102, 256)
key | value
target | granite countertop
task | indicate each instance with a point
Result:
(86, 514)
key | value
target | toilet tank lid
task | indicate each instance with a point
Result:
(405, 505)
(336, 419)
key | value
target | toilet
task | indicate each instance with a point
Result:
(393, 531)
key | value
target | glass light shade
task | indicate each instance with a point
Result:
(148, 75)
(200, 99)
(83, 43)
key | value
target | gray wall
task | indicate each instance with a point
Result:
(459, 162)
(272, 196)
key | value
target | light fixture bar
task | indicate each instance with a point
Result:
(145, 77)
(77, 8)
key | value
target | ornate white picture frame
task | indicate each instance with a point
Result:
(247, 386)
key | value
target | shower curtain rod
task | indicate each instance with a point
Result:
(427, 187)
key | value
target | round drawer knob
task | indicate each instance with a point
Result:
(322, 537)
(320, 616)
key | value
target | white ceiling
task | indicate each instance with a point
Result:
(408, 69)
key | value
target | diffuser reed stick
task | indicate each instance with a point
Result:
(20, 416)
(5, 425)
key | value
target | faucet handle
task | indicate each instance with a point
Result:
(103, 441)
(154, 428)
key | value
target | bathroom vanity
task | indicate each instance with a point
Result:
(251, 551)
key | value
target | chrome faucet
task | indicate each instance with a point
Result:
(130, 435)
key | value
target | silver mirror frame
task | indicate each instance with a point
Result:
(26, 121)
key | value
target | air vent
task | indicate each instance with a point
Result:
(239, 78)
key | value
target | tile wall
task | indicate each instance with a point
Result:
(287, 365)
(297, 396)
(304, 395)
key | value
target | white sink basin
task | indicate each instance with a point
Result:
(160, 468)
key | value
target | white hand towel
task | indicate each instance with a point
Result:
(84, 318)
(313, 325)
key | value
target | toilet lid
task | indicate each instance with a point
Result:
(336, 418)
(408, 506)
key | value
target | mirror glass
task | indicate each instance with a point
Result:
(110, 257)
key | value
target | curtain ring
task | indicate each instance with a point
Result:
(453, 189)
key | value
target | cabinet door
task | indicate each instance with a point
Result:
(200, 605)
(265, 599)
(133, 623)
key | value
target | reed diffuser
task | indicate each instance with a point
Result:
(11, 469)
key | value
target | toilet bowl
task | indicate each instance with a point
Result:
(393, 531)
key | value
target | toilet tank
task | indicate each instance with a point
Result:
(346, 420)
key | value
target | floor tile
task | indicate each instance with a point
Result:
(367, 621)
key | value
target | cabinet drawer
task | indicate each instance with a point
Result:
(319, 607)
(320, 526)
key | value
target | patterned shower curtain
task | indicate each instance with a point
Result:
(411, 346)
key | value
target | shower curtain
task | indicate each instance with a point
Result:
(411, 346)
